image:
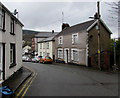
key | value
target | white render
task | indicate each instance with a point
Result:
(7, 38)
(44, 49)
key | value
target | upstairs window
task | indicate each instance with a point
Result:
(12, 26)
(74, 38)
(43, 45)
(2, 20)
(40, 45)
(47, 45)
(60, 40)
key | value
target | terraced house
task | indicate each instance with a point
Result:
(78, 43)
(10, 43)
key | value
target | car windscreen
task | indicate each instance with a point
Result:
(48, 57)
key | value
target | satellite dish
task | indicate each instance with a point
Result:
(15, 12)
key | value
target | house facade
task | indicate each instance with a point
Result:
(10, 43)
(46, 47)
(39, 37)
(73, 44)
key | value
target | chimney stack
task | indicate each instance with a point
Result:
(65, 25)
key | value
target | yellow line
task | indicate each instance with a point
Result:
(28, 86)
(24, 86)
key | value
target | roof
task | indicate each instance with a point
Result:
(3, 7)
(103, 25)
(76, 28)
(45, 34)
(47, 39)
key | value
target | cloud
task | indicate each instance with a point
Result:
(46, 16)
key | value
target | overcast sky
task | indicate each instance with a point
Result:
(47, 16)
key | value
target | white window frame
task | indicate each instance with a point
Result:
(60, 40)
(73, 58)
(40, 53)
(47, 45)
(1, 19)
(12, 53)
(40, 45)
(44, 45)
(75, 39)
(60, 55)
(12, 26)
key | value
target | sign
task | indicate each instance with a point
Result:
(98, 51)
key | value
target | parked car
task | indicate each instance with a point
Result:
(26, 59)
(35, 59)
(46, 59)
(59, 60)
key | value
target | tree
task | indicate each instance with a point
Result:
(115, 14)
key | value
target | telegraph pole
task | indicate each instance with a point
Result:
(98, 23)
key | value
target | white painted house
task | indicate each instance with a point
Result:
(46, 47)
(10, 43)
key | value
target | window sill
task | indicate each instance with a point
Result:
(12, 65)
(12, 33)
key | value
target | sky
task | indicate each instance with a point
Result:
(44, 15)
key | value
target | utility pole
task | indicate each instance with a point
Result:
(98, 23)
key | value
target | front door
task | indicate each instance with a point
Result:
(66, 55)
(1, 61)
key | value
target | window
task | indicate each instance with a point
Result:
(43, 45)
(74, 55)
(40, 53)
(44, 54)
(48, 54)
(2, 20)
(60, 40)
(40, 45)
(12, 55)
(0, 54)
(74, 38)
(60, 53)
(47, 45)
(12, 26)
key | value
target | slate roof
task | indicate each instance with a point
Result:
(76, 28)
(47, 39)
(45, 34)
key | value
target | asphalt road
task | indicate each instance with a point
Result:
(60, 80)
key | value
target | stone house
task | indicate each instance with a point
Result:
(76, 44)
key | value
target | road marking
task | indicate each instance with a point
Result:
(24, 87)
(28, 86)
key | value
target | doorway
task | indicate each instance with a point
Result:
(66, 55)
(1, 61)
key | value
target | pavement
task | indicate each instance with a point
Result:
(17, 79)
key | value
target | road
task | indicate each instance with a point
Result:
(68, 80)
